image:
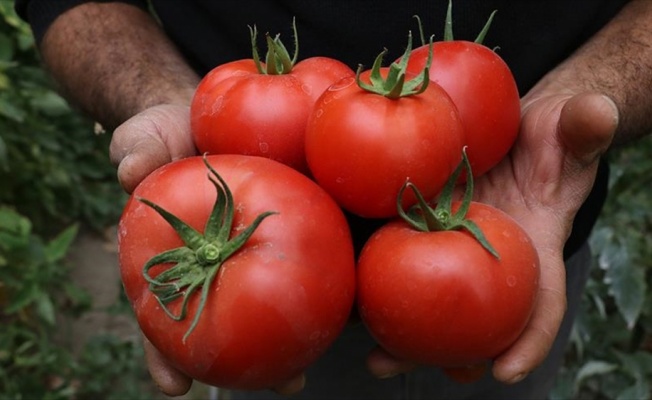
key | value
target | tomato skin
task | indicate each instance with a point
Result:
(277, 303)
(361, 147)
(440, 298)
(486, 95)
(237, 110)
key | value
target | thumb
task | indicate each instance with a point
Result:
(149, 140)
(587, 125)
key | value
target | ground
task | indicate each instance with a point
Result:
(94, 262)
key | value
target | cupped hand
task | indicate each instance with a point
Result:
(140, 145)
(542, 184)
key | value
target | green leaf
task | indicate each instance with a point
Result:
(626, 281)
(14, 229)
(6, 48)
(58, 247)
(639, 391)
(45, 308)
(50, 104)
(592, 368)
(11, 111)
(4, 159)
(22, 298)
(638, 365)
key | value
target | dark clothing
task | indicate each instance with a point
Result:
(532, 37)
(341, 373)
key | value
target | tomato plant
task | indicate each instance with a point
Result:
(261, 108)
(452, 286)
(483, 89)
(367, 134)
(241, 280)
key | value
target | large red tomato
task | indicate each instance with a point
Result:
(241, 109)
(274, 305)
(483, 89)
(440, 298)
(361, 146)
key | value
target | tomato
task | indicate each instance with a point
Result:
(440, 298)
(361, 145)
(241, 109)
(274, 305)
(484, 90)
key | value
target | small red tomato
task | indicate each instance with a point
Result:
(252, 108)
(452, 286)
(365, 139)
(440, 298)
(484, 90)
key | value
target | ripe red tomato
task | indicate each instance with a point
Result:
(483, 89)
(440, 298)
(361, 146)
(276, 304)
(238, 110)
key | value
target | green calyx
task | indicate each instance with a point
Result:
(396, 85)
(277, 60)
(196, 264)
(424, 218)
(448, 26)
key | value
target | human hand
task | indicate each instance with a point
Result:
(542, 183)
(149, 140)
(140, 145)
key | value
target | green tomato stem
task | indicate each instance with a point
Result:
(396, 85)
(196, 264)
(277, 58)
(424, 218)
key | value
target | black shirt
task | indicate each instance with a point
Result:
(531, 36)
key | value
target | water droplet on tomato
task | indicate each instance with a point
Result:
(342, 84)
(217, 104)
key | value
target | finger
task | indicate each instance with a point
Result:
(292, 386)
(149, 140)
(534, 344)
(587, 125)
(383, 365)
(169, 380)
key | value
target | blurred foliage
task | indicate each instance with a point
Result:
(54, 177)
(52, 166)
(610, 356)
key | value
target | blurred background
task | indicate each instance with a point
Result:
(67, 331)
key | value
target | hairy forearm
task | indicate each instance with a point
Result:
(616, 62)
(112, 61)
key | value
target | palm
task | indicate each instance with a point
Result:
(542, 184)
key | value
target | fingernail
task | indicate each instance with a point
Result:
(614, 108)
(387, 375)
(516, 378)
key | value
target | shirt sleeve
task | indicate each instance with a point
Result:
(41, 13)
